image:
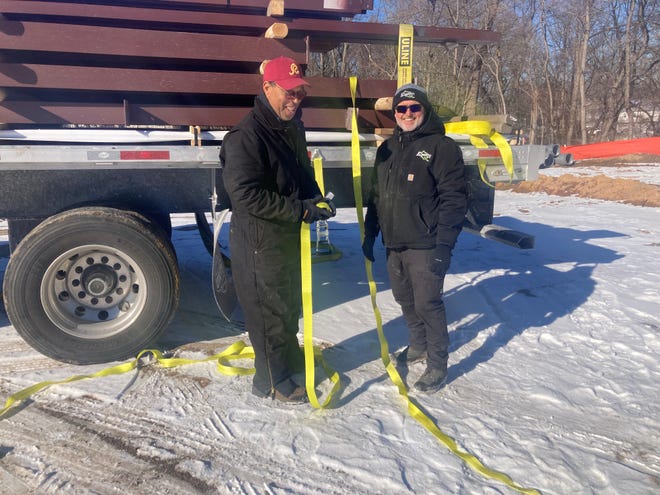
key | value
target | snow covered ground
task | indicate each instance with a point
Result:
(553, 378)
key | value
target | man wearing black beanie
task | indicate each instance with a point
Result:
(418, 200)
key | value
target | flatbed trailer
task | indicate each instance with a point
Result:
(112, 115)
(93, 275)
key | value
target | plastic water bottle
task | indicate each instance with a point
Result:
(323, 233)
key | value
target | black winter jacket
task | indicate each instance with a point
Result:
(418, 195)
(266, 169)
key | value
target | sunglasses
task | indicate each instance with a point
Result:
(292, 95)
(413, 108)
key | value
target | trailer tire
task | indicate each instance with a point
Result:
(92, 285)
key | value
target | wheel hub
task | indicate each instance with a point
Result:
(92, 291)
(99, 282)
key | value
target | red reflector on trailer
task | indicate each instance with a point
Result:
(144, 155)
(489, 153)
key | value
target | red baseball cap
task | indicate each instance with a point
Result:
(285, 72)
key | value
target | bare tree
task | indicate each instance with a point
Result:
(546, 77)
(567, 72)
(628, 68)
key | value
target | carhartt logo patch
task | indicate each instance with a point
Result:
(424, 155)
(411, 177)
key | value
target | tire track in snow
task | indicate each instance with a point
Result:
(56, 455)
(175, 434)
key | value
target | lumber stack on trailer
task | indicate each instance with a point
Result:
(181, 62)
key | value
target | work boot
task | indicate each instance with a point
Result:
(411, 355)
(290, 391)
(286, 391)
(432, 379)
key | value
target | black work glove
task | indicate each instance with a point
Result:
(440, 259)
(368, 247)
(311, 212)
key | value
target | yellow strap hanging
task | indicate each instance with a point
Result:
(317, 161)
(308, 311)
(308, 346)
(413, 409)
(404, 55)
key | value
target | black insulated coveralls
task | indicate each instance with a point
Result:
(267, 173)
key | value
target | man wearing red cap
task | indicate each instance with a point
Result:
(268, 176)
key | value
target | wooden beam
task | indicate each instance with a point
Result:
(31, 112)
(65, 77)
(306, 8)
(323, 32)
(123, 42)
(342, 8)
(168, 81)
(327, 31)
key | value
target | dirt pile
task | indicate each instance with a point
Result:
(599, 186)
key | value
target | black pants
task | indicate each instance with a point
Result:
(266, 271)
(419, 292)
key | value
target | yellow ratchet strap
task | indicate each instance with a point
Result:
(306, 269)
(480, 131)
(413, 409)
(404, 55)
(237, 350)
(308, 346)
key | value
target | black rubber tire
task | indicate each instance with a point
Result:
(92, 285)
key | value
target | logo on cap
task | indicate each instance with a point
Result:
(407, 94)
(285, 72)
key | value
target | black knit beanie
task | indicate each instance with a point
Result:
(411, 92)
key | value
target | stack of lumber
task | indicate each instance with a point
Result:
(182, 62)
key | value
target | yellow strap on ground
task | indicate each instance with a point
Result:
(404, 55)
(238, 350)
(27, 392)
(413, 409)
(481, 131)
